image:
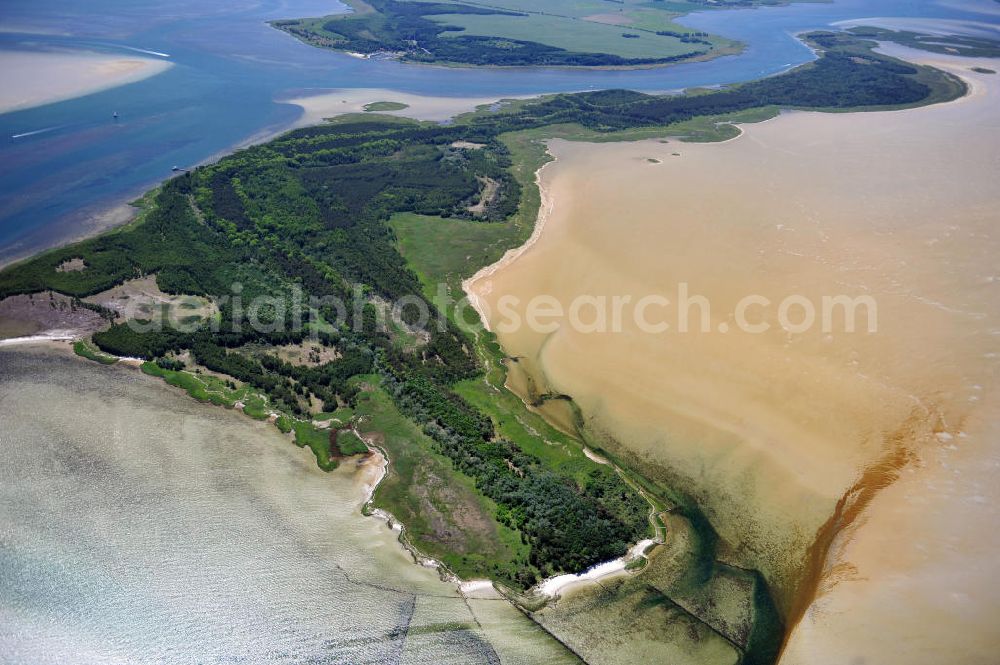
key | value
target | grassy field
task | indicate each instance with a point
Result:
(375, 107)
(87, 350)
(588, 33)
(627, 15)
(569, 34)
(317, 440)
(445, 517)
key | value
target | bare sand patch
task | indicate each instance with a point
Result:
(142, 299)
(317, 108)
(46, 313)
(490, 188)
(71, 265)
(776, 434)
(308, 354)
(29, 78)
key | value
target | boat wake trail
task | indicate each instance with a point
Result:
(147, 51)
(37, 131)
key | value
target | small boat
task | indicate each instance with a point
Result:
(115, 115)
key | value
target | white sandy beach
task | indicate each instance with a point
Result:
(29, 78)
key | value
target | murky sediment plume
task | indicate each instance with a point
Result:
(852, 470)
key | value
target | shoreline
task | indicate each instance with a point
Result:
(550, 588)
(103, 219)
(115, 214)
(370, 510)
(546, 591)
(975, 89)
(553, 587)
(546, 203)
(48, 339)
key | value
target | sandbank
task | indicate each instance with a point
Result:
(30, 78)
(317, 108)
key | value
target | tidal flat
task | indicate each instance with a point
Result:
(137, 525)
(841, 465)
(318, 105)
(35, 78)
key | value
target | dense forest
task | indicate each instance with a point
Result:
(309, 211)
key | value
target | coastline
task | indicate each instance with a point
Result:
(102, 219)
(49, 339)
(544, 210)
(370, 510)
(105, 218)
(832, 561)
(55, 341)
(251, 519)
(548, 590)
(551, 588)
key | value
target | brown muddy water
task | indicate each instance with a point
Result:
(878, 445)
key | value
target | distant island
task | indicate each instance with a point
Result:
(514, 33)
(382, 107)
(378, 209)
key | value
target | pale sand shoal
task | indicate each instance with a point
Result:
(29, 78)
(769, 431)
(317, 108)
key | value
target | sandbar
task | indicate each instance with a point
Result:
(316, 108)
(31, 78)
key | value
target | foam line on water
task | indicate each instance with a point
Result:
(37, 131)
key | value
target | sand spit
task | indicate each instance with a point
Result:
(783, 436)
(316, 108)
(29, 78)
(43, 338)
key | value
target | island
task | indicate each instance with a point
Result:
(513, 33)
(336, 240)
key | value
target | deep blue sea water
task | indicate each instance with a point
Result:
(230, 66)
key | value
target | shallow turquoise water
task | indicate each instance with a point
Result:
(139, 526)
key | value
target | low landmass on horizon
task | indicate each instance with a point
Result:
(514, 33)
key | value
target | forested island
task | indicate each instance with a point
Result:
(514, 33)
(966, 46)
(381, 209)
